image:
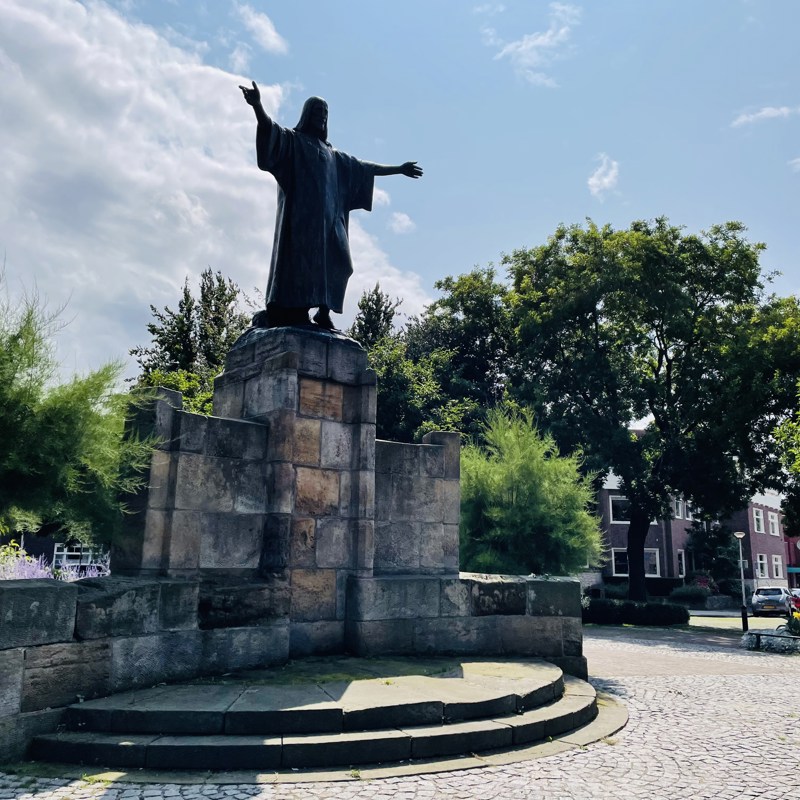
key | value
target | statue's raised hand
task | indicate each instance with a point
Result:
(252, 96)
(411, 170)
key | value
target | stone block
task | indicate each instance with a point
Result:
(383, 496)
(346, 488)
(360, 404)
(159, 487)
(203, 483)
(140, 661)
(393, 597)
(152, 545)
(572, 633)
(346, 361)
(17, 732)
(456, 598)
(316, 638)
(11, 668)
(365, 443)
(235, 605)
(342, 577)
(397, 546)
(554, 597)
(456, 635)
(280, 488)
(451, 442)
(396, 458)
(232, 541)
(435, 552)
(270, 391)
(185, 534)
(364, 545)
(178, 603)
(334, 543)
(370, 638)
(307, 441)
(363, 496)
(431, 461)
(498, 595)
(313, 594)
(231, 649)
(416, 498)
(112, 606)
(321, 399)
(450, 494)
(572, 665)
(302, 542)
(228, 400)
(250, 490)
(60, 674)
(280, 434)
(336, 445)
(228, 438)
(36, 612)
(190, 432)
(529, 636)
(276, 543)
(317, 491)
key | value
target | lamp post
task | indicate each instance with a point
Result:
(739, 536)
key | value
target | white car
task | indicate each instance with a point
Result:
(771, 600)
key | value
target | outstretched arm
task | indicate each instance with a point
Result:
(409, 169)
(253, 98)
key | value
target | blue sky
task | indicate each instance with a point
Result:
(128, 157)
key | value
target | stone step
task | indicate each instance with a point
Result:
(472, 690)
(574, 709)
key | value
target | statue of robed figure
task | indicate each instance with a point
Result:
(318, 187)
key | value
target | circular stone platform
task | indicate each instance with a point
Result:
(327, 712)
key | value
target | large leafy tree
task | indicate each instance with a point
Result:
(660, 354)
(375, 318)
(189, 345)
(63, 459)
(524, 507)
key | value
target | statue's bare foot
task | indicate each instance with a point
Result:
(323, 319)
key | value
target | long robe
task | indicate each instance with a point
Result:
(318, 187)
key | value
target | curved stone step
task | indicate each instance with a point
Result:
(575, 708)
(471, 690)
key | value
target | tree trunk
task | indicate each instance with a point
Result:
(637, 533)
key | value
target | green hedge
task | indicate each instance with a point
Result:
(630, 612)
(691, 594)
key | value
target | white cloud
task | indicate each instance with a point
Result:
(239, 59)
(604, 178)
(127, 166)
(768, 112)
(533, 53)
(262, 28)
(380, 197)
(401, 223)
(489, 9)
(795, 164)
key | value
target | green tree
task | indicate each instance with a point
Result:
(189, 345)
(410, 398)
(471, 322)
(63, 459)
(668, 333)
(375, 317)
(524, 508)
(713, 549)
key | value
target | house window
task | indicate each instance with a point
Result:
(72, 556)
(619, 561)
(777, 567)
(772, 520)
(678, 508)
(688, 510)
(652, 565)
(619, 509)
(761, 566)
(681, 564)
(758, 521)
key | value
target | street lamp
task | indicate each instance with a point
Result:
(739, 536)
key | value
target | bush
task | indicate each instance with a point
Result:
(617, 591)
(692, 595)
(732, 587)
(630, 612)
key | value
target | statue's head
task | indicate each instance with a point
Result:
(314, 118)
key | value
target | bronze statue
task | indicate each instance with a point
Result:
(318, 187)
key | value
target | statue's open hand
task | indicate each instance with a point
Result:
(252, 96)
(411, 169)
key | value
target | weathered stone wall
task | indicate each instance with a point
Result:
(417, 506)
(62, 642)
(467, 614)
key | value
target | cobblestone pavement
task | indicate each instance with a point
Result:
(715, 723)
